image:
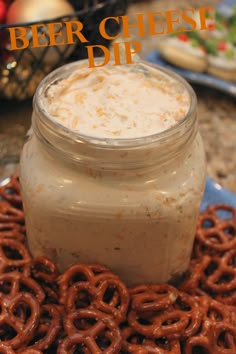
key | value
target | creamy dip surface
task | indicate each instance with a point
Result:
(117, 102)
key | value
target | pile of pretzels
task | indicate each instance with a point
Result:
(88, 309)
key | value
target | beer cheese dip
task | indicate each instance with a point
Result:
(123, 102)
(113, 172)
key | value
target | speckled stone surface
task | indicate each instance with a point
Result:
(216, 112)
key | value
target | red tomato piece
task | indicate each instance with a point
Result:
(222, 46)
(183, 37)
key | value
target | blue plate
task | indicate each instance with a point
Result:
(197, 78)
(225, 8)
(216, 194)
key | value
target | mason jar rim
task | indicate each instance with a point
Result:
(60, 73)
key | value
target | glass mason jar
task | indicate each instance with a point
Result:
(131, 204)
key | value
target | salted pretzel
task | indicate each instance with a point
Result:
(43, 269)
(215, 234)
(98, 268)
(83, 345)
(78, 273)
(45, 272)
(48, 328)
(11, 316)
(9, 213)
(94, 302)
(51, 294)
(224, 336)
(93, 324)
(207, 221)
(12, 231)
(199, 251)
(217, 240)
(14, 283)
(232, 314)
(218, 338)
(133, 342)
(13, 256)
(80, 296)
(11, 191)
(227, 298)
(6, 349)
(178, 321)
(216, 331)
(213, 310)
(215, 276)
(210, 218)
(104, 292)
(75, 274)
(193, 279)
(223, 278)
(111, 296)
(153, 326)
(30, 351)
(192, 310)
(200, 343)
(215, 209)
(145, 298)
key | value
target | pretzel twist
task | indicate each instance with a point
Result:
(48, 328)
(213, 310)
(80, 296)
(74, 274)
(215, 276)
(10, 214)
(223, 278)
(13, 256)
(14, 283)
(98, 269)
(11, 315)
(11, 191)
(51, 294)
(30, 351)
(94, 302)
(216, 331)
(78, 273)
(6, 349)
(90, 323)
(216, 233)
(217, 240)
(217, 338)
(43, 269)
(87, 345)
(133, 342)
(111, 296)
(145, 298)
(180, 320)
(207, 221)
(12, 231)
(93, 286)
(214, 209)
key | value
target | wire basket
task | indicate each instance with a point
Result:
(22, 70)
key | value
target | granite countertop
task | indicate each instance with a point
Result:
(216, 112)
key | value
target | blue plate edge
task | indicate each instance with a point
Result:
(194, 77)
(216, 194)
